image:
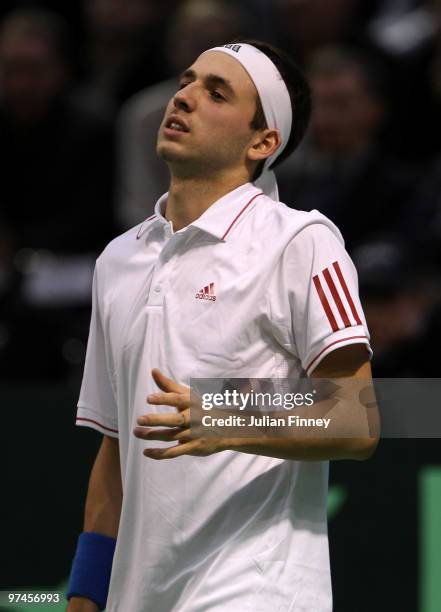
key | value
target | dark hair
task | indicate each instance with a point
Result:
(299, 93)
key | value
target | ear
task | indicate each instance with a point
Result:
(264, 144)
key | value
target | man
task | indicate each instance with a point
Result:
(343, 160)
(215, 524)
(143, 176)
(50, 152)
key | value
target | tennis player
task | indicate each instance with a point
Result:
(223, 281)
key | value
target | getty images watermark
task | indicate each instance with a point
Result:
(258, 400)
(250, 407)
(341, 407)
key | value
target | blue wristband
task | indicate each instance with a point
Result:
(91, 567)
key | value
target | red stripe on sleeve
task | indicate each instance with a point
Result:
(346, 291)
(325, 303)
(96, 423)
(332, 344)
(337, 299)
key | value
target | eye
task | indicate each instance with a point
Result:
(182, 85)
(217, 96)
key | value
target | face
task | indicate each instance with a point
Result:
(346, 116)
(31, 75)
(206, 126)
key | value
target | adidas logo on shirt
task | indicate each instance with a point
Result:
(206, 293)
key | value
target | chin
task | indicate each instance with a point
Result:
(165, 152)
(170, 153)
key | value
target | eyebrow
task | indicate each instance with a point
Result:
(213, 80)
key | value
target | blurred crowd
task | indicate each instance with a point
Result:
(83, 87)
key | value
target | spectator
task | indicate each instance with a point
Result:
(56, 161)
(56, 195)
(421, 221)
(342, 170)
(402, 306)
(123, 51)
(196, 26)
(411, 48)
(305, 26)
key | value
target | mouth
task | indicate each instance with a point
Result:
(175, 124)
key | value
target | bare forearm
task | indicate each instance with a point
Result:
(351, 431)
(104, 495)
(103, 505)
(305, 449)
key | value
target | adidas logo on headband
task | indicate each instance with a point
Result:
(235, 48)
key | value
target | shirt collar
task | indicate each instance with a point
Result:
(219, 218)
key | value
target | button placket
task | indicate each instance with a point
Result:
(181, 240)
(164, 267)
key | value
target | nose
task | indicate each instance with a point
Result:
(184, 99)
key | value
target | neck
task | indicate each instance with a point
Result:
(189, 198)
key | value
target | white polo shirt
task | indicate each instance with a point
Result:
(250, 289)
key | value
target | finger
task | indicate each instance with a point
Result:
(142, 432)
(165, 383)
(165, 419)
(172, 452)
(178, 400)
(175, 434)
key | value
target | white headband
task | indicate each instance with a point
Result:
(275, 100)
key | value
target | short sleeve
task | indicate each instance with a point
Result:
(97, 407)
(323, 296)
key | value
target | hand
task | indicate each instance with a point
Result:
(178, 424)
(81, 604)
